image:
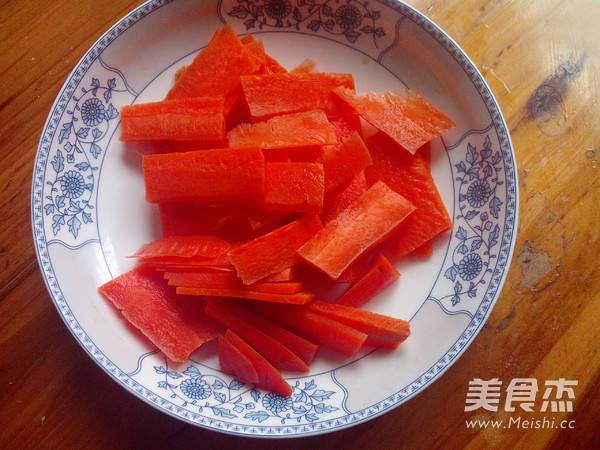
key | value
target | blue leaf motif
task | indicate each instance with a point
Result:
(58, 163)
(314, 25)
(95, 83)
(496, 158)
(239, 11)
(96, 133)
(238, 409)
(220, 397)
(461, 167)
(461, 233)
(487, 171)
(299, 410)
(471, 214)
(235, 385)
(320, 394)
(87, 217)
(301, 397)
(311, 417)
(455, 300)
(451, 273)
(259, 416)
(112, 83)
(74, 225)
(309, 385)
(74, 207)
(60, 201)
(458, 287)
(49, 209)
(493, 237)
(472, 293)
(65, 132)
(160, 369)
(462, 249)
(95, 150)
(111, 112)
(255, 395)
(57, 221)
(83, 133)
(223, 412)
(163, 385)
(83, 166)
(495, 207)
(476, 244)
(107, 95)
(471, 154)
(192, 372)
(174, 375)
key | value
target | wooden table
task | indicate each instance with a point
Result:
(541, 59)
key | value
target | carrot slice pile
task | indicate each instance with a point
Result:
(271, 197)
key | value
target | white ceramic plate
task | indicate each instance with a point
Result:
(89, 213)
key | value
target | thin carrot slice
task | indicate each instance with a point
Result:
(315, 327)
(176, 325)
(268, 63)
(343, 162)
(285, 93)
(230, 281)
(275, 352)
(217, 68)
(297, 187)
(290, 130)
(207, 246)
(234, 362)
(364, 224)
(299, 298)
(198, 122)
(269, 377)
(378, 277)
(410, 176)
(187, 218)
(340, 198)
(405, 117)
(383, 331)
(230, 175)
(275, 251)
(305, 349)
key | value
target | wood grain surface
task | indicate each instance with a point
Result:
(541, 60)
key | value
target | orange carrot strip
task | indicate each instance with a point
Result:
(275, 352)
(269, 377)
(381, 274)
(230, 175)
(291, 130)
(364, 224)
(274, 251)
(383, 331)
(298, 298)
(405, 117)
(297, 187)
(343, 162)
(234, 362)
(285, 93)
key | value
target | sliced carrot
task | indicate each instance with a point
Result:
(275, 352)
(306, 66)
(315, 327)
(269, 377)
(381, 274)
(198, 122)
(275, 251)
(308, 153)
(290, 130)
(383, 331)
(230, 175)
(299, 298)
(343, 162)
(206, 246)
(201, 280)
(340, 198)
(410, 176)
(305, 349)
(176, 325)
(285, 93)
(423, 251)
(187, 218)
(405, 117)
(364, 224)
(234, 362)
(217, 68)
(268, 63)
(296, 187)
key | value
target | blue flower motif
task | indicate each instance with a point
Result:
(195, 388)
(478, 193)
(277, 9)
(72, 184)
(276, 403)
(348, 17)
(470, 266)
(92, 112)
